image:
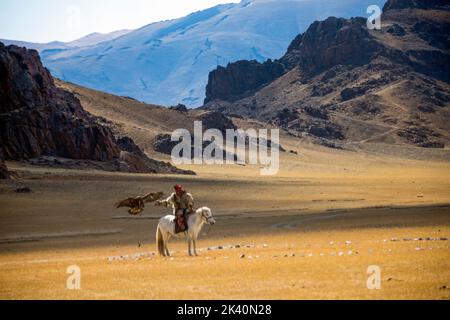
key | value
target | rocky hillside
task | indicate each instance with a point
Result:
(151, 126)
(39, 120)
(343, 83)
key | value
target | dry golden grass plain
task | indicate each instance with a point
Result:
(292, 266)
(312, 230)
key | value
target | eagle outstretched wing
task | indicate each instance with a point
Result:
(136, 204)
(152, 197)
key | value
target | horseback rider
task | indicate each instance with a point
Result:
(182, 204)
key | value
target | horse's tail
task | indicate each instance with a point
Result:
(160, 241)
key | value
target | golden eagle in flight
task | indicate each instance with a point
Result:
(136, 204)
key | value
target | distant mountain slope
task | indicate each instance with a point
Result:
(54, 45)
(344, 84)
(96, 38)
(168, 62)
(89, 40)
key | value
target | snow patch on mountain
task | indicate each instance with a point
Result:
(168, 62)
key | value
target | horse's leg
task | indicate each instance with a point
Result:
(166, 239)
(167, 251)
(189, 246)
(194, 241)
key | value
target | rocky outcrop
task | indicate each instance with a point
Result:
(284, 117)
(164, 144)
(133, 159)
(336, 42)
(210, 120)
(180, 108)
(332, 42)
(236, 79)
(4, 173)
(37, 119)
(216, 120)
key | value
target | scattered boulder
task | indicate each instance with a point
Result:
(366, 108)
(396, 30)
(351, 93)
(130, 98)
(285, 116)
(326, 131)
(23, 190)
(180, 108)
(319, 113)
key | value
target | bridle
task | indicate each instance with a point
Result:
(205, 217)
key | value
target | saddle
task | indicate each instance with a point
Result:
(181, 222)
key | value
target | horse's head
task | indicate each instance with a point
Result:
(207, 216)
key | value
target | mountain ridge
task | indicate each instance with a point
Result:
(87, 40)
(168, 62)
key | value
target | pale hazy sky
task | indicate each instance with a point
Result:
(67, 20)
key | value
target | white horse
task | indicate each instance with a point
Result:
(195, 222)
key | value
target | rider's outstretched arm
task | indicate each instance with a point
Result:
(169, 201)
